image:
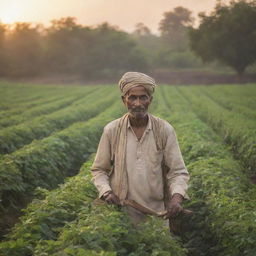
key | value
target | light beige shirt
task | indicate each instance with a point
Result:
(143, 165)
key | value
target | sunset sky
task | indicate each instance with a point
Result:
(123, 13)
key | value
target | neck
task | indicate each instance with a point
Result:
(140, 122)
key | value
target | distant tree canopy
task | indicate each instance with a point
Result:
(90, 52)
(68, 48)
(2, 51)
(23, 50)
(228, 34)
(173, 27)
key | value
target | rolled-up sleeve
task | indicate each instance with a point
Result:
(177, 175)
(102, 165)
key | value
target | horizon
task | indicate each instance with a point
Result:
(124, 15)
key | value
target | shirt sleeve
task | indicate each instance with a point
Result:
(177, 175)
(102, 165)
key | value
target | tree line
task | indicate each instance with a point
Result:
(66, 47)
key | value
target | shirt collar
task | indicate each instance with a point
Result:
(149, 125)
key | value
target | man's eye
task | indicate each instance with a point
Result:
(132, 98)
(143, 97)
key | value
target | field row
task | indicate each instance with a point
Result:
(23, 95)
(69, 222)
(235, 129)
(14, 137)
(66, 221)
(221, 194)
(42, 109)
(45, 163)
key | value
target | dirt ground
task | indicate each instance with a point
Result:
(161, 77)
(200, 77)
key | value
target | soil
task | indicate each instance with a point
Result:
(161, 77)
(201, 77)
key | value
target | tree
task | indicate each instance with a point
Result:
(113, 52)
(228, 34)
(141, 30)
(148, 42)
(64, 46)
(3, 29)
(89, 52)
(173, 27)
(23, 50)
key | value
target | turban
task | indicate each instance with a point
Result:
(132, 79)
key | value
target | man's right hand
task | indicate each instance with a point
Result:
(111, 198)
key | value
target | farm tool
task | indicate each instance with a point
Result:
(175, 224)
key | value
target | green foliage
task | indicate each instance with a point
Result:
(235, 129)
(85, 107)
(47, 162)
(3, 29)
(173, 28)
(181, 59)
(71, 50)
(41, 100)
(228, 34)
(17, 95)
(233, 104)
(91, 52)
(222, 196)
(44, 218)
(37, 111)
(68, 222)
(23, 47)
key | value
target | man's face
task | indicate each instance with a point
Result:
(137, 101)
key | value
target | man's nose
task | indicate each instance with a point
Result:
(137, 102)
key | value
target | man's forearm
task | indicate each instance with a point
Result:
(101, 181)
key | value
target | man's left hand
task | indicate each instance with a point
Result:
(174, 207)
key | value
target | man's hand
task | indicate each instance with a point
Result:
(111, 198)
(174, 207)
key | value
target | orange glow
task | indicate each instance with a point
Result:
(9, 13)
(10, 16)
(122, 13)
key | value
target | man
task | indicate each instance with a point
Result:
(138, 155)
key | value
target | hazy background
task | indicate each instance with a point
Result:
(125, 14)
(98, 40)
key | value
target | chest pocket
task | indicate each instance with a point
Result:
(154, 159)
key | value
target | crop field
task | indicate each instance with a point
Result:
(48, 137)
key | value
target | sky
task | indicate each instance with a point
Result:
(123, 13)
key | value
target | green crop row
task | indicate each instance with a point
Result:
(11, 93)
(229, 102)
(45, 109)
(237, 131)
(241, 94)
(16, 95)
(68, 222)
(47, 162)
(14, 137)
(41, 106)
(223, 198)
(29, 105)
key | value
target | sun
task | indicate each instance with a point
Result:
(9, 16)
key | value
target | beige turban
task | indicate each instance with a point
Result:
(133, 79)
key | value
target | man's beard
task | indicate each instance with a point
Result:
(138, 112)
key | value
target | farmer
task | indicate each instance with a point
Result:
(138, 156)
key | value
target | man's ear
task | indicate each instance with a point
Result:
(123, 98)
(151, 98)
